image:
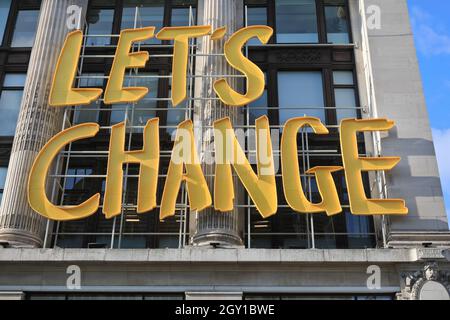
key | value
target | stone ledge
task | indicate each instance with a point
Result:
(417, 239)
(197, 255)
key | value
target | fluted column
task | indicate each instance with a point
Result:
(209, 225)
(19, 224)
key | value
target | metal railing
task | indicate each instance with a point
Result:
(66, 157)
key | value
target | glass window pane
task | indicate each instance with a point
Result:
(118, 113)
(3, 171)
(150, 13)
(4, 13)
(337, 25)
(10, 101)
(345, 99)
(92, 80)
(180, 17)
(256, 16)
(343, 77)
(302, 93)
(100, 22)
(25, 28)
(296, 21)
(140, 113)
(141, 116)
(258, 108)
(89, 113)
(15, 80)
(175, 115)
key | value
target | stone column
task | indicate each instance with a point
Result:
(19, 224)
(210, 226)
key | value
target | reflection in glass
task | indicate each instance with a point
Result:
(77, 181)
(343, 77)
(258, 108)
(180, 17)
(25, 28)
(150, 13)
(4, 13)
(10, 101)
(86, 113)
(100, 22)
(299, 94)
(337, 24)
(256, 16)
(175, 115)
(139, 114)
(15, 80)
(296, 21)
(3, 172)
(345, 99)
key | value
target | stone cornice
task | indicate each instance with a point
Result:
(197, 255)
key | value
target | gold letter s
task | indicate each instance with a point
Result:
(254, 75)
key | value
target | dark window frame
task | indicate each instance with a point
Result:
(321, 21)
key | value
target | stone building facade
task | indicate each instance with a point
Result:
(332, 59)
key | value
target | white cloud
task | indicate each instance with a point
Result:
(429, 40)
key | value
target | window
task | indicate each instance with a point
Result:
(100, 23)
(296, 21)
(344, 95)
(302, 21)
(258, 108)
(3, 172)
(78, 187)
(175, 115)
(149, 13)
(25, 28)
(300, 93)
(336, 21)
(10, 101)
(4, 13)
(77, 181)
(256, 16)
(180, 17)
(143, 110)
(89, 113)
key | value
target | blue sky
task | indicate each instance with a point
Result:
(431, 27)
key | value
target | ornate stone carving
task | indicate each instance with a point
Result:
(429, 283)
(299, 56)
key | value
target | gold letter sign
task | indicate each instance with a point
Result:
(359, 204)
(184, 164)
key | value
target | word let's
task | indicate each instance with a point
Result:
(64, 94)
(261, 186)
